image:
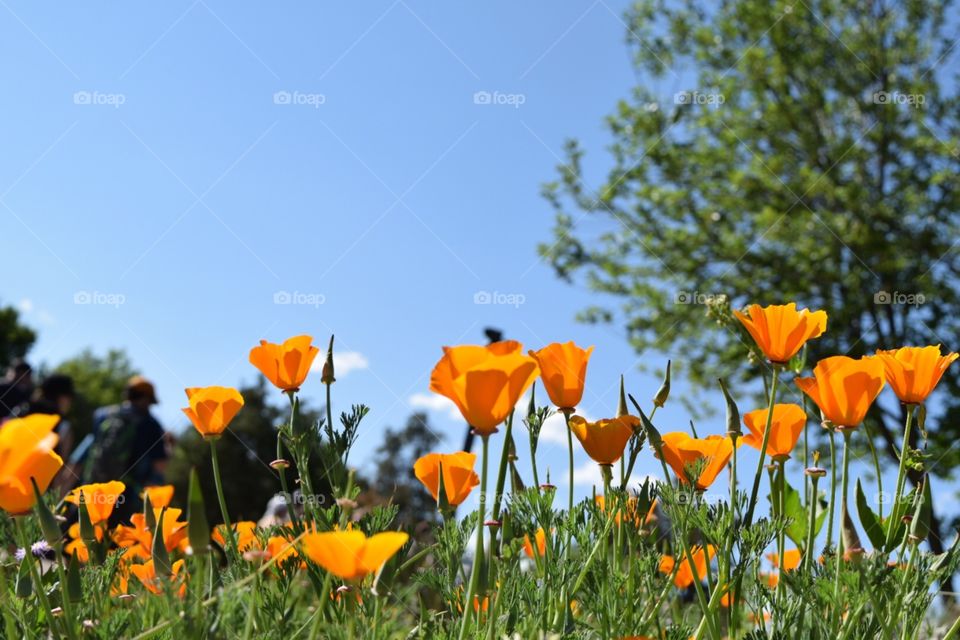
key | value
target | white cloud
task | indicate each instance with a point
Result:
(435, 402)
(26, 305)
(555, 428)
(344, 362)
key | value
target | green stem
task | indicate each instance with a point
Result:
(763, 446)
(808, 552)
(223, 503)
(478, 550)
(901, 477)
(833, 488)
(843, 510)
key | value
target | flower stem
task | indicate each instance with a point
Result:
(223, 503)
(901, 477)
(36, 578)
(478, 549)
(833, 488)
(843, 511)
(763, 446)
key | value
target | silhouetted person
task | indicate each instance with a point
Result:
(127, 444)
(16, 388)
(54, 396)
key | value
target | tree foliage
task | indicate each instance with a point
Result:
(99, 381)
(15, 338)
(811, 155)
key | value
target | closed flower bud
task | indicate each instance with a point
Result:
(733, 413)
(326, 377)
(664, 391)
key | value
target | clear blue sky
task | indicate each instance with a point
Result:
(178, 165)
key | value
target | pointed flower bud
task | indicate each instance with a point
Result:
(664, 392)
(326, 377)
(734, 430)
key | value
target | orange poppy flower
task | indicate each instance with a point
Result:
(484, 382)
(631, 515)
(283, 550)
(76, 546)
(540, 538)
(160, 495)
(844, 388)
(245, 531)
(785, 429)
(147, 575)
(604, 440)
(913, 372)
(681, 451)
(26, 451)
(791, 559)
(780, 330)
(685, 574)
(99, 498)
(212, 408)
(285, 365)
(458, 475)
(350, 554)
(138, 541)
(563, 369)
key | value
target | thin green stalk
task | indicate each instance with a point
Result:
(901, 476)
(478, 550)
(252, 609)
(732, 600)
(763, 447)
(64, 596)
(808, 552)
(843, 510)
(223, 503)
(833, 487)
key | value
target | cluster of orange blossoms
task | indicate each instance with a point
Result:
(485, 383)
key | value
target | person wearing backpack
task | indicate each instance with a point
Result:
(127, 444)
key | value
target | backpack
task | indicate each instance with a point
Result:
(110, 454)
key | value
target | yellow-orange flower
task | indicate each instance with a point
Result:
(484, 382)
(563, 369)
(631, 513)
(245, 531)
(685, 574)
(791, 559)
(540, 539)
(350, 554)
(604, 440)
(681, 451)
(458, 475)
(785, 429)
(76, 546)
(147, 575)
(212, 408)
(26, 451)
(160, 495)
(100, 498)
(138, 541)
(285, 365)
(913, 372)
(780, 330)
(282, 549)
(844, 388)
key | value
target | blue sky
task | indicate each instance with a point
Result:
(173, 171)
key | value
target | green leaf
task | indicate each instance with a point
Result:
(24, 583)
(74, 584)
(920, 525)
(869, 520)
(797, 514)
(48, 523)
(198, 529)
(161, 559)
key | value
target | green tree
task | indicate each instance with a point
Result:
(812, 155)
(99, 381)
(245, 452)
(393, 472)
(15, 338)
